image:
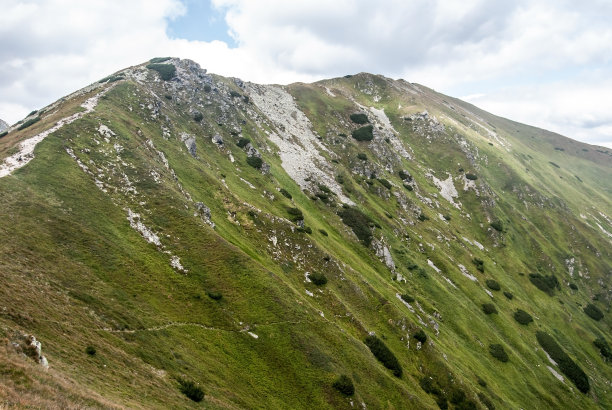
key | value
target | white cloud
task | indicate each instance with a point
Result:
(529, 58)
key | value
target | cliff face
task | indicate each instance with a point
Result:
(167, 231)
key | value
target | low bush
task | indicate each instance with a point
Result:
(90, 350)
(362, 156)
(159, 59)
(420, 336)
(344, 385)
(405, 176)
(358, 222)
(407, 298)
(242, 142)
(234, 94)
(508, 295)
(493, 284)
(522, 317)
(317, 278)
(285, 193)
(28, 123)
(214, 295)
(197, 117)
(359, 118)
(363, 133)
(422, 217)
(479, 264)
(566, 364)
(471, 177)
(553, 164)
(323, 232)
(593, 312)
(385, 183)
(324, 188)
(384, 355)
(255, 162)
(489, 308)
(296, 214)
(604, 348)
(497, 225)
(207, 88)
(191, 390)
(573, 286)
(166, 71)
(546, 284)
(498, 352)
(486, 401)
(408, 187)
(3, 133)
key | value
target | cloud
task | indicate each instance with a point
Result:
(524, 56)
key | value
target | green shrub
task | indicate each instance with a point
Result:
(285, 193)
(3, 133)
(489, 308)
(296, 214)
(493, 284)
(344, 385)
(197, 117)
(234, 94)
(408, 187)
(429, 385)
(359, 118)
(471, 177)
(159, 59)
(255, 162)
(317, 278)
(323, 232)
(573, 286)
(566, 364)
(214, 295)
(420, 336)
(363, 133)
(546, 284)
(166, 71)
(242, 142)
(404, 175)
(207, 88)
(593, 312)
(422, 217)
(508, 295)
(90, 350)
(385, 183)
(604, 348)
(486, 401)
(28, 123)
(384, 355)
(497, 225)
(522, 317)
(362, 156)
(324, 188)
(498, 352)
(479, 264)
(407, 298)
(358, 222)
(553, 164)
(191, 390)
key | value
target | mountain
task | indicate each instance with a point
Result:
(174, 238)
(3, 126)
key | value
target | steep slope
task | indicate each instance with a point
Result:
(166, 226)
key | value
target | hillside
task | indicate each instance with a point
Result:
(166, 231)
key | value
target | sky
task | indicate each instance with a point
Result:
(546, 63)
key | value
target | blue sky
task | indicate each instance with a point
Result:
(546, 63)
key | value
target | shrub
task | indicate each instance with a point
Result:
(408, 187)
(166, 71)
(471, 177)
(191, 390)
(422, 217)
(603, 347)
(497, 225)
(358, 222)
(323, 232)
(214, 295)
(90, 350)
(28, 123)
(242, 142)
(522, 317)
(493, 284)
(255, 162)
(324, 188)
(3, 133)
(296, 214)
(359, 118)
(420, 336)
(384, 355)
(407, 298)
(363, 133)
(234, 94)
(207, 88)
(197, 117)
(486, 401)
(159, 59)
(479, 264)
(566, 364)
(285, 193)
(362, 156)
(489, 308)
(573, 286)
(546, 284)
(405, 175)
(553, 164)
(593, 312)
(498, 352)
(385, 183)
(317, 278)
(344, 385)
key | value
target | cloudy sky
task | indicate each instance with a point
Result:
(543, 62)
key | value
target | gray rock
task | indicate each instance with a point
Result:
(265, 168)
(217, 139)
(251, 151)
(190, 143)
(3, 126)
(204, 212)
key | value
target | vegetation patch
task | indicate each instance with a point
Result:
(317, 278)
(522, 317)
(359, 118)
(593, 312)
(471, 177)
(28, 123)
(420, 336)
(566, 364)
(285, 193)
(508, 295)
(546, 284)
(90, 350)
(363, 133)
(385, 183)
(493, 284)
(497, 225)
(214, 295)
(296, 214)
(407, 298)
(255, 162)
(197, 117)
(359, 222)
(604, 348)
(489, 308)
(498, 352)
(384, 355)
(166, 71)
(159, 59)
(344, 385)
(479, 264)
(323, 232)
(3, 133)
(362, 156)
(404, 175)
(191, 390)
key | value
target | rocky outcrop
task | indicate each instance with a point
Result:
(3, 126)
